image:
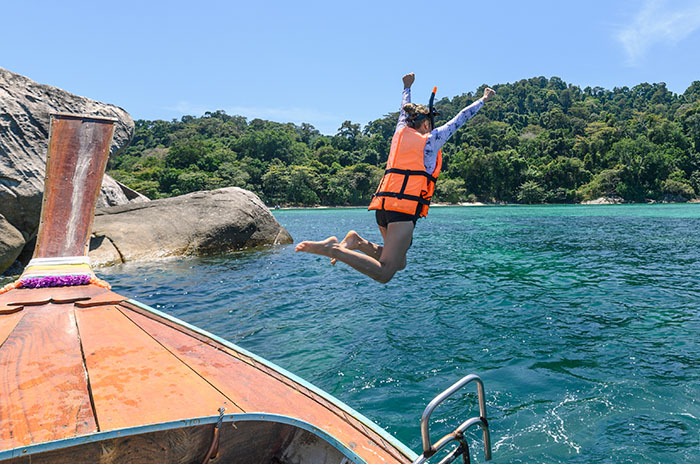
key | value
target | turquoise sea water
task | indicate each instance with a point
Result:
(582, 321)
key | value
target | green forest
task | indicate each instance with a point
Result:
(537, 140)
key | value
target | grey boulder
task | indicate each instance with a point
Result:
(11, 243)
(25, 107)
(200, 223)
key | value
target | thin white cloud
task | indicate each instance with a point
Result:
(658, 23)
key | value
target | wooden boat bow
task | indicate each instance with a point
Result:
(88, 375)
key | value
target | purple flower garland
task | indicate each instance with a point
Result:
(56, 281)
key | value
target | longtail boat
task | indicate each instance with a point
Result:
(88, 375)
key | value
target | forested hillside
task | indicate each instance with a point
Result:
(536, 141)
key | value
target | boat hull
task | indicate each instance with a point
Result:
(243, 438)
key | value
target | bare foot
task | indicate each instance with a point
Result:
(351, 242)
(323, 248)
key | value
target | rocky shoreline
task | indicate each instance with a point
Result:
(611, 200)
(128, 225)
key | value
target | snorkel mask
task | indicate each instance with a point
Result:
(431, 112)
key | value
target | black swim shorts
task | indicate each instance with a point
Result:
(384, 218)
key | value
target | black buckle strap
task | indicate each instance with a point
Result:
(408, 172)
(403, 196)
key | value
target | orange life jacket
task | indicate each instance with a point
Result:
(406, 187)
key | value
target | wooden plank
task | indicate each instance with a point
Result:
(8, 323)
(41, 296)
(10, 309)
(106, 298)
(75, 164)
(43, 388)
(257, 390)
(134, 380)
(7, 297)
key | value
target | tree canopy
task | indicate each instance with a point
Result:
(537, 140)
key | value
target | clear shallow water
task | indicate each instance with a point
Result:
(582, 321)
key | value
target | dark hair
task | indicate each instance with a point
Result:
(415, 114)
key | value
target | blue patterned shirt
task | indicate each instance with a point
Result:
(438, 136)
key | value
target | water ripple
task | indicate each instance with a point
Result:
(582, 321)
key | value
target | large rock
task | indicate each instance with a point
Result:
(200, 223)
(11, 243)
(670, 198)
(115, 193)
(25, 107)
(606, 200)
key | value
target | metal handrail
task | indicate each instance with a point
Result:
(430, 449)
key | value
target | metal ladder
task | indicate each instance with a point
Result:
(457, 435)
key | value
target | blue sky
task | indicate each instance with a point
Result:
(325, 62)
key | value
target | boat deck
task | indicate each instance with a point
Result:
(85, 360)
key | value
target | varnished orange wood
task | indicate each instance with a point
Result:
(135, 380)
(40, 296)
(8, 323)
(10, 309)
(105, 298)
(256, 388)
(43, 388)
(7, 297)
(76, 160)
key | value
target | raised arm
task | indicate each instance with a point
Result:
(408, 80)
(448, 129)
(439, 136)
